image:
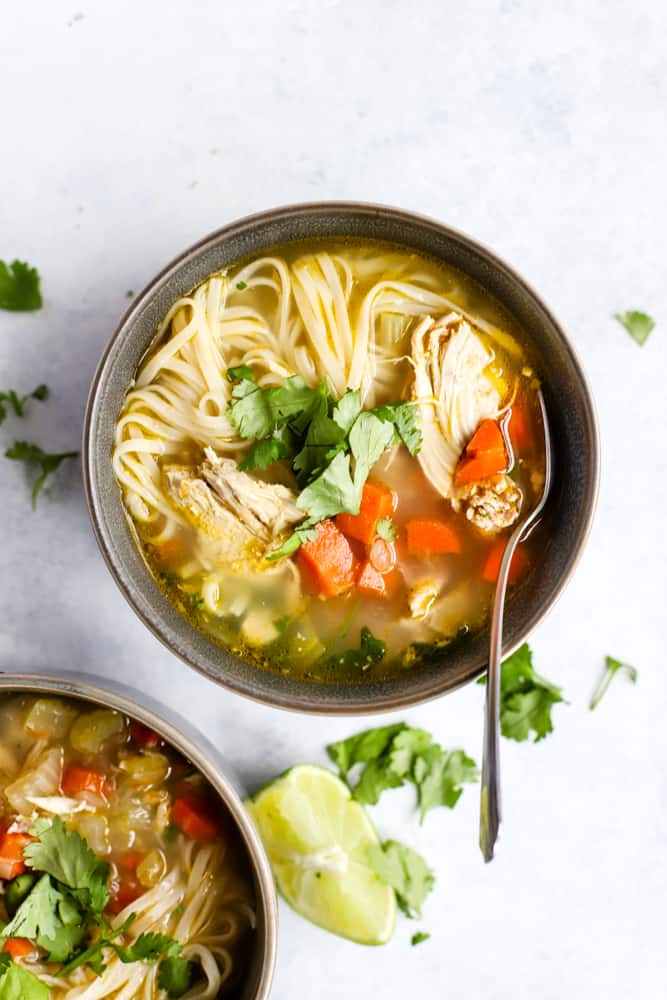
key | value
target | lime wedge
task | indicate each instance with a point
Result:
(317, 839)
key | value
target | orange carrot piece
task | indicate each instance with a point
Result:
(377, 501)
(195, 819)
(84, 779)
(520, 427)
(328, 562)
(518, 568)
(431, 538)
(474, 468)
(487, 437)
(372, 583)
(12, 862)
(144, 735)
(129, 889)
(18, 947)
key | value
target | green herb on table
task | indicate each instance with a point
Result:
(526, 698)
(19, 287)
(638, 324)
(129, 294)
(405, 871)
(18, 403)
(23, 451)
(390, 756)
(419, 937)
(370, 651)
(612, 667)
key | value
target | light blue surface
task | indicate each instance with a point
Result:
(132, 130)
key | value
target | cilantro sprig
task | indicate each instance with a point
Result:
(390, 756)
(18, 403)
(19, 287)
(24, 451)
(17, 983)
(638, 324)
(526, 698)
(405, 871)
(612, 667)
(333, 444)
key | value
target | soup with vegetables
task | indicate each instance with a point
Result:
(323, 451)
(120, 874)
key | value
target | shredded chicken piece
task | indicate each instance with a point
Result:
(491, 505)
(454, 391)
(236, 517)
(421, 599)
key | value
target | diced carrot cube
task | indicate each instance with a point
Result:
(84, 779)
(372, 583)
(377, 502)
(18, 947)
(431, 537)
(196, 820)
(327, 562)
(475, 468)
(12, 862)
(487, 437)
(491, 568)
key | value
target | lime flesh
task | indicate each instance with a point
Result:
(317, 839)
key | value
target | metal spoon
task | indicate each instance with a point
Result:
(489, 807)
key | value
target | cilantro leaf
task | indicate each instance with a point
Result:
(176, 976)
(419, 937)
(405, 418)
(370, 651)
(19, 287)
(331, 492)
(18, 403)
(387, 529)
(347, 409)
(240, 373)
(324, 438)
(250, 411)
(405, 871)
(270, 450)
(38, 913)
(526, 699)
(295, 403)
(94, 955)
(439, 775)
(148, 948)
(291, 544)
(638, 324)
(65, 855)
(612, 667)
(369, 439)
(16, 983)
(241, 285)
(23, 451)
(363, 747)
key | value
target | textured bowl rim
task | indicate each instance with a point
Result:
(360, 705)
(188, 739)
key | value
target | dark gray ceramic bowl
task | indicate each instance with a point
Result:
(571, 413)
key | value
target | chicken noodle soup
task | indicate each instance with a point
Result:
(323, 451)
(120, 874)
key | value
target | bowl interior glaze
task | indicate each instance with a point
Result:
(571, 413)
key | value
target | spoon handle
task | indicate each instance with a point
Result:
(490, 814)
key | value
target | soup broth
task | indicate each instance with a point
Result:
(323, 453)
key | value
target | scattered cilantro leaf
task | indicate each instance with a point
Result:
(440, 775)
(242, 373)
(16, 983)
(18, 403)
(526, 699)
(363, 747)
(296, 403)
(249, 410)
(38, 913)
(638, 324)
(66, 856)
(419, 937)
(19, 287)
(331, 492)
(369, 439)
(129, 294)
(241, 285)
(23, 451)
(405, 871)
(612, 667)
(176, 976)
(387, 529)
(370, 651)
(347, 409)
(323, 440)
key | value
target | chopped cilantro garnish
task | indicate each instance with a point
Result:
(129, 294)
(419, 937)
(391, 755)
(638, 324)
(18, 403)
(241, 285)
(387, 529)
(405, 871)
(612, 667)
(65, 855)
(23, 451)
(176, 976)
(370, 651)
(17, 983)
(526, 698)
(195, 601)
(19, 287)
